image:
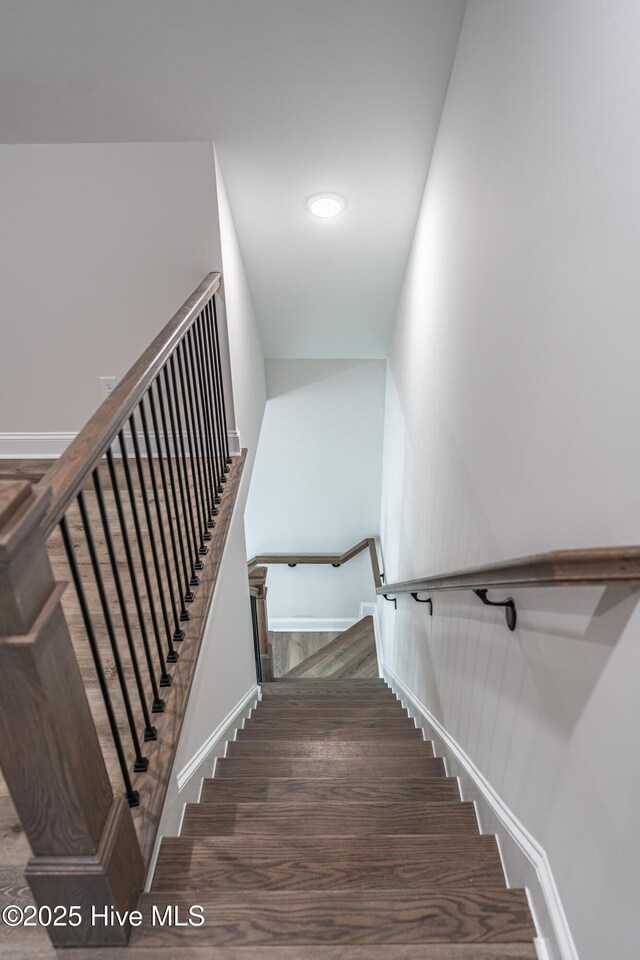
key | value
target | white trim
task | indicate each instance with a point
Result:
(514, 839)
(172, 826)
(33, 446)
(200, 755)
(235, 447)
(310, 624)
(369, 608)
(49, 446)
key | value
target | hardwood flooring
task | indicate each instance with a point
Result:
(347, 655)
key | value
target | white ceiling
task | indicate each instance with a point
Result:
(300, 96)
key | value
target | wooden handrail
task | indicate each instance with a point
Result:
(336, 560)
(69, 473)
(559, 568)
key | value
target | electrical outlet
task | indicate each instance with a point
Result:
(107, 384)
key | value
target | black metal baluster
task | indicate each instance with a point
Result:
(181, 433)
(202, 423)
(218, 354)
(141, 763)
(165, 678)
(184, 615)
(181, 470)
(149, 729)
(211, 360)
(202, 550)
(132, 795)
(208, 413)
(183, 357)
(178, 632)
(188, 595)
(172, 654)
(158, 702)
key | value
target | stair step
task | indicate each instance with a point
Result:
(327, 818)
(431, 789)
(302, 917)
(330, 729)
(321, 750)
(298, 709)
(326, 688)
(350, 718)
(320, 863)
(388, 951)
(243, 767)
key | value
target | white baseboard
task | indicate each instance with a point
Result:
(185, 786)
(49, 446)
(525, 861)
(215, 737)
(33, 446)
(310, 624)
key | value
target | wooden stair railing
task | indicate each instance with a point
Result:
(98, 671)
(336, 560)
(560, 568)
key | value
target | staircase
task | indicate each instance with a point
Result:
(330, 830)
(352, 654)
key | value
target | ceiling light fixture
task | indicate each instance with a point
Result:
(326, 204)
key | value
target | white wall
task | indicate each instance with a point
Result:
(225, 674)
(99, 246)
(511, 426)
(316, 482)
(245, 345)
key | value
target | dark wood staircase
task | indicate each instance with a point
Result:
(330, 830)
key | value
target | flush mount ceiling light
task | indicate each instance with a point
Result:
(326, 204)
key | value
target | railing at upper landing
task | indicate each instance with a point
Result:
(134, 516)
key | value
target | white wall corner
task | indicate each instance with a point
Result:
(235, 447)
(369, 608)
(525, 860)
(185, 785)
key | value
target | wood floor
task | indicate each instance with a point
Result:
(347, 655)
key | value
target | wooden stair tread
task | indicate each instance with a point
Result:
(291, 767)
(300, 917)
(313, 863)
(349, 720)
(330, 750)
(328, 818)
(387, 951)
(331, 730)
(294, 710)
(289, 789)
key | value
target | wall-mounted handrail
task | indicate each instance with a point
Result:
(336, 560)
(69, 473)
(560, 568)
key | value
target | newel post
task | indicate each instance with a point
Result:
(85, 849)
(258, 589)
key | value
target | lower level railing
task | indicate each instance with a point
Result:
(107, 569)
